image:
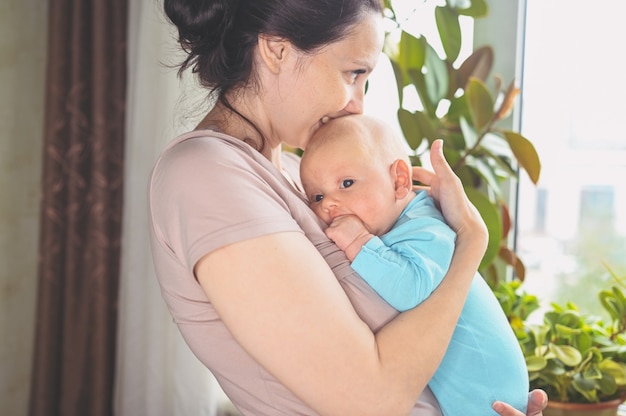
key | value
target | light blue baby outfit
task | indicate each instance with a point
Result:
(484, 362)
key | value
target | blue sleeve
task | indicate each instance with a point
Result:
(406, 264)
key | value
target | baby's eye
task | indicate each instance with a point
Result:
(317, 198)
(346, 183)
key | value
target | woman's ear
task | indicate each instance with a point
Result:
(273, 51)
(401, 175)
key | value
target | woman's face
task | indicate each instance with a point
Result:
(327, 84)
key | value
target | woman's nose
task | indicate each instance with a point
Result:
(355, 105)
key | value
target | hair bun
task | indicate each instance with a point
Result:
(200, 21)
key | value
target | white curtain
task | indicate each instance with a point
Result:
(156, 372)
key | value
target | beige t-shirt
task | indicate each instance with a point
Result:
(209, 190)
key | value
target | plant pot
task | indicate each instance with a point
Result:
(582, 409)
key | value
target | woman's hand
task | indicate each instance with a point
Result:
(447, 190)
(537, 401)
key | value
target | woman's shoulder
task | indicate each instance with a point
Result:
(205, 156)
(207, 187)
(203, 144)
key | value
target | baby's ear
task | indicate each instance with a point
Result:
(401, 175)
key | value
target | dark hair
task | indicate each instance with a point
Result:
(220, 35)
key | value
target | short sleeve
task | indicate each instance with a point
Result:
(207, 193)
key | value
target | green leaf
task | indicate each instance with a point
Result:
(469, 134)
(486, 172)
(410, 128)
(569, 318)
(401, 79)
(480, 103)
(555, 368)
(491, 217)
(429, 126)
(411, 51)
(566, 331)
(610, 305)
(619, 295)
(436, 76)
(551, 317)
(614, 303)
(458, 108)
(449, 31)
(415, 127)
(502, 161)
(535, 363)
(584, 341)
(567, 354)
(419, 82)
(585, 387)
(592, 372)
(616, 370)
(606, 384)
(407, 63)
(525, 153)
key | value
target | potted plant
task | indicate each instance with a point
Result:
(579, 359)
(458, 106)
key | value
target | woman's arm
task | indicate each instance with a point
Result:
(281, 301)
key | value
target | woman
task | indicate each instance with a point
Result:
(262, 297)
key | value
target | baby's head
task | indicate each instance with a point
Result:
(357, 165)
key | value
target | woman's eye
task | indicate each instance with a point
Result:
(355, 74)
(346, 183)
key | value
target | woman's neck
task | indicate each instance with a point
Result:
(234, 124)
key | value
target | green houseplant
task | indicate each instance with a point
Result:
(458, 106)
(579, 359)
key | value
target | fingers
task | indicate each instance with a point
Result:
(423, 175)
(436, 152)
(537, 401)
(504, 409)
(440, 165)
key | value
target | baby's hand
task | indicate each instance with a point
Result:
(349, 233)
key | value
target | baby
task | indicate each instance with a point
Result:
(357, 178)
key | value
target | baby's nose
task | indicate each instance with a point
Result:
(329, 203)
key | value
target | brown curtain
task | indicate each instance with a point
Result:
(79, 253)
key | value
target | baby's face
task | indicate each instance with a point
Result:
(340, 179)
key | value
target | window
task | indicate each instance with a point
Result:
(573, 112)
(571, 108)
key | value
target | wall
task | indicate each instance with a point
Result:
(22, 75)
